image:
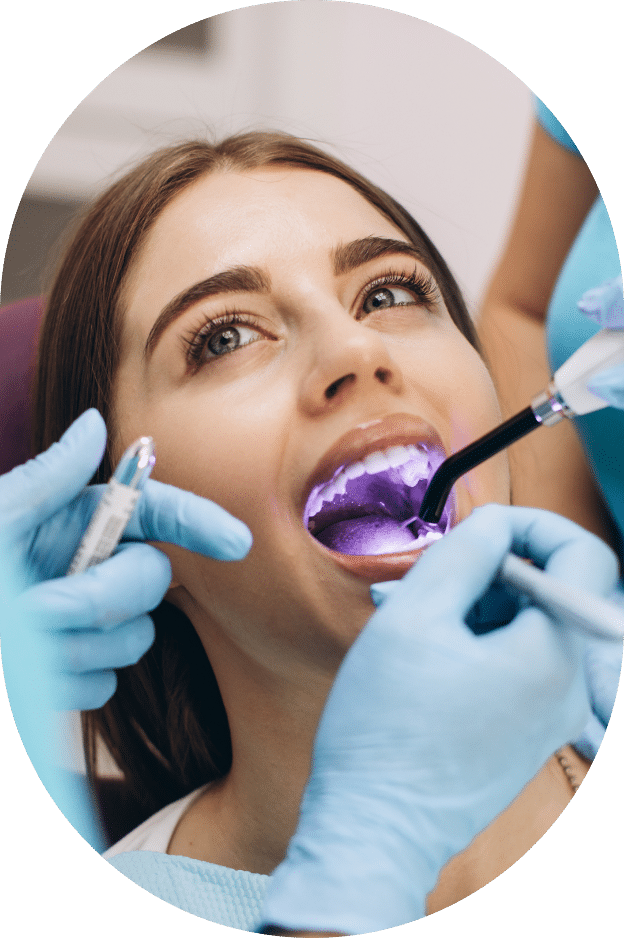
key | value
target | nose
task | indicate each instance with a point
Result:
(348, 359)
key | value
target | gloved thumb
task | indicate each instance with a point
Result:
(605, 304)
(33, 492)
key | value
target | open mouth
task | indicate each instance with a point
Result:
(370, 507)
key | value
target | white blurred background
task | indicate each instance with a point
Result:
(432, 119)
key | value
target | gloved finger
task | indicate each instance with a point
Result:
(130, 583)
(468, 558)
(497, 607)
(605, 304)
(563, 548)
(603, 666)
(80, 651)
(171, 515)
(474, 550)
(33, 492)
(382, 591)
(609, 385)
(83, 691)
(54, 544)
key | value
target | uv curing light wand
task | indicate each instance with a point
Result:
(566, 395)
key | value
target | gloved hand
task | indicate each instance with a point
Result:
(62, 637)
(430, 731)
(605, 305)
(87, 625)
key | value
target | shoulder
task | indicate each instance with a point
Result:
(155, 833)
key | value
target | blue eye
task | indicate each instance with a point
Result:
(229, 338)
(384, 297)
(219, 337)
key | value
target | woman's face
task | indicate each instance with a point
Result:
(314, 338)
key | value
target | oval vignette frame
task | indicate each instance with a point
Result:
(572, 875)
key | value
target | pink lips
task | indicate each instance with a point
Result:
(394, 430)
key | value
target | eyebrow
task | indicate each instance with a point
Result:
(234, 280)
(345, 258)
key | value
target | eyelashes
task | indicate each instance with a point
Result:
(420, 283)
(221, 335)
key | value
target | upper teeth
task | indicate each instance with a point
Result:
(411, 462)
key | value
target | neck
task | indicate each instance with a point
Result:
(247, 819)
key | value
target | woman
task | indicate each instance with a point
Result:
(298, 349)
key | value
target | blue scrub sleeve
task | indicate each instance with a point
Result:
(552, 126)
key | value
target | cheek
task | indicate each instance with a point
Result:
(220, 465)
(461, 392)
(478, 414)
(221, 446)
(474, 402)
(452, 376)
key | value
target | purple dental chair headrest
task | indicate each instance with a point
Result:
(19, 332)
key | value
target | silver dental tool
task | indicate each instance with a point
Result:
(565, 603)
(115, 507)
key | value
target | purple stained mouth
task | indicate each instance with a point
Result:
(371, 507)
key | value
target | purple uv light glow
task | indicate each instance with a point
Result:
(378, 513)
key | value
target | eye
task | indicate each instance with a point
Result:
(229, 338)
(219, 337)
(383, 297)
(396, 289)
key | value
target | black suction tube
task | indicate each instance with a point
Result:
(455, 466)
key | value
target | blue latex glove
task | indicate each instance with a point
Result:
(430, 731)
(605, 305)
(602, 660)
(91, 623)
(62, 637)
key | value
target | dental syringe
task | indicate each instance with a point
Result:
(116, 506)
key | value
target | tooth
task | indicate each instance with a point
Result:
(329, 491)
(397, 455)
(428, 537)
(314, 505)
(375, 462)
(418, 453)
(340, 484)
(355, 470)
(413, 472)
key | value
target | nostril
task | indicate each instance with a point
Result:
(335, 386)
(383, 375)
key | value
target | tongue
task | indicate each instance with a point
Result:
(371, 534)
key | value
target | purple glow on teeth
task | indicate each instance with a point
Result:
(371, 507)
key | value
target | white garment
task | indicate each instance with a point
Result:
(155, 834)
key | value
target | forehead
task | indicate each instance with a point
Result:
(236, 218)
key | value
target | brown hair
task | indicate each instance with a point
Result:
(166, 726)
